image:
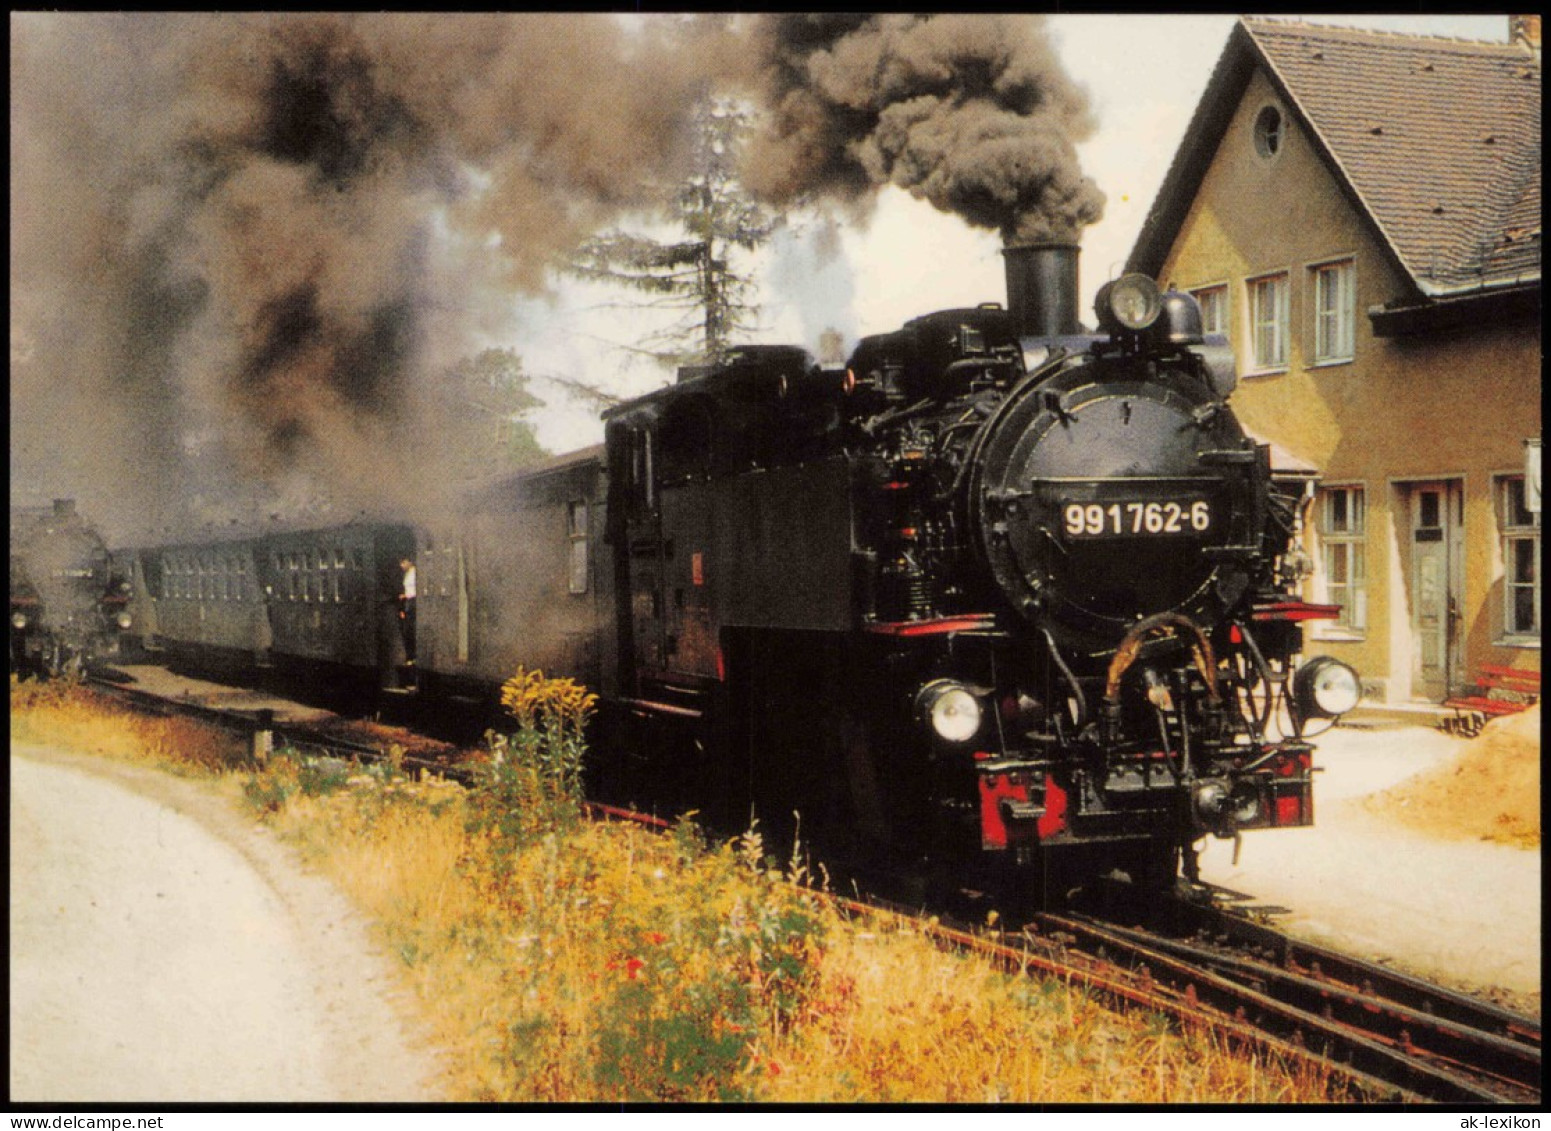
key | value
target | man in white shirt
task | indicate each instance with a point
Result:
(407, 610)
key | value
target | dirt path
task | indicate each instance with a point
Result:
(164, 949)
(1462, 912)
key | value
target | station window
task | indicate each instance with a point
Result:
(1214, 309)
(577, 520)
(1268, 316)
(1335, 311)
(1343, 551)
(1269, 129)
(1520, 529)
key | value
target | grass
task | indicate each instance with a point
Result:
(559, 960)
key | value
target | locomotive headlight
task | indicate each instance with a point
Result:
(18, 620)
(950, 709)
(1130, 303)
(1325, 688)
(125, 620)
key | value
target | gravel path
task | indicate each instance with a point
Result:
(163, 949)
(1460, 912)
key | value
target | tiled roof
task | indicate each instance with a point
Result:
(1439, 138)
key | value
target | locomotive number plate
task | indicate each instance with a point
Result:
(1149, 519)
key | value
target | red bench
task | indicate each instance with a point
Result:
(1498, 691)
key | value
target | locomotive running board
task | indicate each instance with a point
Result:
(933, 627)
(651, 706)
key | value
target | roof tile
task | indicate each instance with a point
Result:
(1439, 138)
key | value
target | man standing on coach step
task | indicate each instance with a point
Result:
(407, 610)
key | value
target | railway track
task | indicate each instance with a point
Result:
(1388, 1035)
(256, 723)
(1424, 1040)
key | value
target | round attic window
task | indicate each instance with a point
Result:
(1268, 132)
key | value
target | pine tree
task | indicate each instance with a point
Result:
(693, 277)
(485, 398)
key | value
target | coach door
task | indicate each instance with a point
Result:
(1437, 584)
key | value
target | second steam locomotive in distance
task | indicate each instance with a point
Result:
(1002, 596)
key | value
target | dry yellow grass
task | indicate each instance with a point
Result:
(589, 962)
(74, 716)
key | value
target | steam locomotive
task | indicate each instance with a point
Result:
(1001, 596)
(68, 606)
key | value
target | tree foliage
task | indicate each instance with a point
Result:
(693, 278)
(487, 395)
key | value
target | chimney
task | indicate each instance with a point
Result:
(1525, 31)
(1042, 289)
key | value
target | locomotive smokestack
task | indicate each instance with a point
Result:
(1042, 289)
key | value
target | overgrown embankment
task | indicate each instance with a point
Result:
(558, 959)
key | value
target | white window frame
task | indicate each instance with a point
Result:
(1219, 292)
(578, 564)
(1513, 532)
(1276, 325)
(1335, 316)
(1347, 543)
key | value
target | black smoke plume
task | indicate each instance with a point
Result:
(245, 246)
(971, 112)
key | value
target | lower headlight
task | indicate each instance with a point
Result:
(125, 620)
(1325, 688)
(18, 620)
(950, 709)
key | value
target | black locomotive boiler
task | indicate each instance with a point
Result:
(69, 607)
(1000, 595)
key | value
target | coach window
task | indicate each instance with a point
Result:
(339, 571)
(641, 461)
(577, 515)
(242, 578)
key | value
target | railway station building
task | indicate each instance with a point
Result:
(1359, 212)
